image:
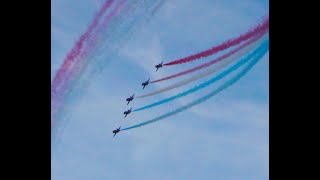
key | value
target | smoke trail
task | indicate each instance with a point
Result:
(94, 39)
(132, 16)
(225, 45)
(208, 96)
(61, 76)
(86, 56)
(98, 51)
(58, 101)
(95, 22)
(80, 64)
(101, 36)
(114, 45)
(260, 49)
(79, 45)
(112, 37)
(214, 69)
(213, 61)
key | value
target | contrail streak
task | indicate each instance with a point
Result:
(263, 46)
(208, 96)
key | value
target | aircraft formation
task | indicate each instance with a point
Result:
(85, 57)
(250, 47)
(129, 99)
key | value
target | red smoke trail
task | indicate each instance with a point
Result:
(215, 60)
(78, 46)
(56, 101)
(57, 98)
(93, 39)
(225, 45)
(92, 43)
(99, 14)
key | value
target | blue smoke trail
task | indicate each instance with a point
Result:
(264, 45)
(213, 93)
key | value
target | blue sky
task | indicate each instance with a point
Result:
(224, 138)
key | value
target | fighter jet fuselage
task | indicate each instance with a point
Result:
(127, 112)
(116, 131)
(130, 99)
(159, 66)
(144, 84)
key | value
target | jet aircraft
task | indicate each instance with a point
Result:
(144, 84)
(159, 66)
(116, 131)
(130, 99)
(127, 112)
